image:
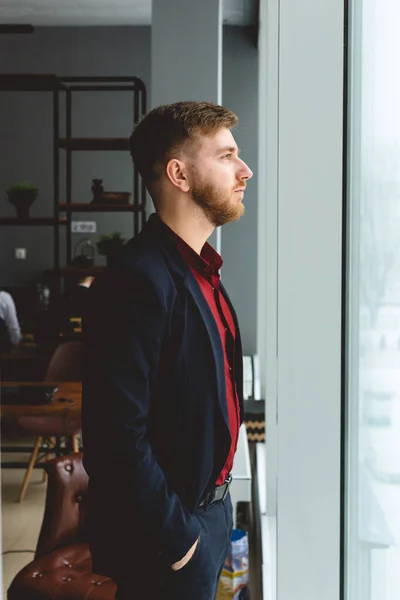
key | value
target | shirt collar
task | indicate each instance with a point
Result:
(208, 263)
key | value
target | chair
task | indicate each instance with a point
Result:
(66, 364)
(62, 567)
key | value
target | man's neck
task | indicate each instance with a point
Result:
(194, 229)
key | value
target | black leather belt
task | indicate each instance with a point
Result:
(218, 493)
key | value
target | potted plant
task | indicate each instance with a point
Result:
(109, 244)
(22, 195)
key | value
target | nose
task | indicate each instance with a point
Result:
(245, 171)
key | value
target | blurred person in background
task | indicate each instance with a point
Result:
(10, 331)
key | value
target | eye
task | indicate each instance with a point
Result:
(227, 155)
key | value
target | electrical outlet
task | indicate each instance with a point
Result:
(83, 227)
(20, 253)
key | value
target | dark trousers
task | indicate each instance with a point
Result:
(198, 579)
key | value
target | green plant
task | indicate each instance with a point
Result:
(109, 243)
(23, 186)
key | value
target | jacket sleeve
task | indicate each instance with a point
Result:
(131, 354)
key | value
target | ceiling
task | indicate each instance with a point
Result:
(105, 12)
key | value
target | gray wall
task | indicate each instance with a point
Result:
(26, 149)
(239, 239)
(26, 131)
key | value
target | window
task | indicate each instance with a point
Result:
(372, 564)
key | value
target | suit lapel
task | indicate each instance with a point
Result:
(160, 234)
(215, 340)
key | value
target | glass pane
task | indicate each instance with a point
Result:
(373, 417)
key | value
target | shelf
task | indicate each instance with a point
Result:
(82, 207)
(74, 271)
(29, 222)
(62, 215)
(94, 144)
(33, 83)
(17, 28)
(101, 79)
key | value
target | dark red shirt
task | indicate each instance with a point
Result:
(205, 268)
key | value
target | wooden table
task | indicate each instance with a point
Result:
(69, 390)
(68, 399)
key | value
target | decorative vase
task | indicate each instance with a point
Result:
(22, 201)
(97, 190)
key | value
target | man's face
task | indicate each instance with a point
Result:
(218, 177)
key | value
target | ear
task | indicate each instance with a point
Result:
(177, 174)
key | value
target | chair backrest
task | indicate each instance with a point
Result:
(66, 364)
(64, 516)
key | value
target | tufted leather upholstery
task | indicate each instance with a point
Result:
(62, 568)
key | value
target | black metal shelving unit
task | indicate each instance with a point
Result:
(70, 86)
(52, 84)
(70, 144)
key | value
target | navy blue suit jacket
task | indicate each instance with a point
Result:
(155, 422)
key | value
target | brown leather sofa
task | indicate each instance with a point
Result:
(62, 567)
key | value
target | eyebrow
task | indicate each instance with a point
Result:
(229, 149)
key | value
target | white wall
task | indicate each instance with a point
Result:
(307, 158)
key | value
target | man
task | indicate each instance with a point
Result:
(162, 401)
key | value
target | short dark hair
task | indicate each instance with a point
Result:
(167, 128)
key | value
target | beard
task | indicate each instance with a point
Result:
(218, 206)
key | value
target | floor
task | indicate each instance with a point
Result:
(21, 522)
